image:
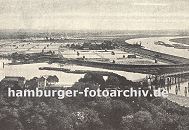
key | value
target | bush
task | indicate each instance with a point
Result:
(143, 120)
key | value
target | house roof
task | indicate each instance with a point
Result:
(42, 78)
(13, 78)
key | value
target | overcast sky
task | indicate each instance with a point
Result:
(94, 14)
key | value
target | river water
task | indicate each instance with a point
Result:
(148, 43)
(32, 70)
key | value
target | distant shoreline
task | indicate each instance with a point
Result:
(180, 40)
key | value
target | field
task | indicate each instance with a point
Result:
(36, 46)
(11, 46)
(120, 57)
(181, 40)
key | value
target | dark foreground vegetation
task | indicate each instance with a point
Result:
(87, 113)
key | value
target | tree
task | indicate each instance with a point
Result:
(52, 79)
(36, 122)
(119, 109)
(184, 122)
(57, 106)
(59, 122)
(112, 82)
(94, 78)
(143, 120)
(104, 108)
(32, 83)
(127, 122)
(10, 123)
(86, 119)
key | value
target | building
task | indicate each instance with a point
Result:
(13, 82)
(42, 82)
(46, 80)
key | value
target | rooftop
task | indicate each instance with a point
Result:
(13, 78)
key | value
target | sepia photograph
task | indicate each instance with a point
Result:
(94, 65)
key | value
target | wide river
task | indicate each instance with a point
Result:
(67, 79)
(32, 70)
(148, 43)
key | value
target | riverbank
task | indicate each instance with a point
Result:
(180, 40)
(144, 69)
(74, 71)
(178, 55)
(146, 53)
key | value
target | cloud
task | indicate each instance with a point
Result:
(94, 14)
